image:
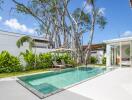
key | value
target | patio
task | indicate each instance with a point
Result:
(118, 52)
(115, 85)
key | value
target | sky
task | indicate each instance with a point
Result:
(117, 12)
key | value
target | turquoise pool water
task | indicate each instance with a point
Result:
(50, 82)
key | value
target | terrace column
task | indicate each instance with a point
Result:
(131, 53)
(108, 55)
(120, 54)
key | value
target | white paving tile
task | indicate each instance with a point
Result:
(115, 85)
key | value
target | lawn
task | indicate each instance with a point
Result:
(98, 65)
(3, 75)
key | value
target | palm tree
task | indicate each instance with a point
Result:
(24, 39)
(31, 42)
(62, 25)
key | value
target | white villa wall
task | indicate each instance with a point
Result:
(108, 55)
(99, 55)
(8, 42)
(121, 42)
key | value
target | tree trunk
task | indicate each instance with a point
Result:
(88, 49)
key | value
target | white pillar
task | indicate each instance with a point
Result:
(120, 54)
(131, 53)
(108, 55)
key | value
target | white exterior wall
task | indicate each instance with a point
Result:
(99, 55)
(8, 42)
(108, 55)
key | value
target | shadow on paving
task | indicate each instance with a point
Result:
(11, 90)
(66, 95)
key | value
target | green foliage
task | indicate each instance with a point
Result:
(45, 60)
(127, 51)
(104, 60)
(90, 2)
(30, 58)
(101, 21)
(84, 18)
(93, 60)
(66, 57)
(72, 62)
(9, 63)
(24, 39)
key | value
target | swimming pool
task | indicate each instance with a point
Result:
(46, 84)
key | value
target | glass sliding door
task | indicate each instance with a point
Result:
(125, 54)
(115, 55)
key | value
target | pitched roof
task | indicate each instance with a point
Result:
(100, 46)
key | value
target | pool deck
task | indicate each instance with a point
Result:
(115, 85)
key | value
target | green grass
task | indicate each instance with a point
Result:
(3, 75)
(99, 65)
(95, 65)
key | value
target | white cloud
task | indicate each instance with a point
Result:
(14, 24)
(0, 18)
(126, 34)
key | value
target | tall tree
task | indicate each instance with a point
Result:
(96, 18)
(63, 27)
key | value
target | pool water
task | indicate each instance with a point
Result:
(50, 82)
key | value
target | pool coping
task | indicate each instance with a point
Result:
(42, 96)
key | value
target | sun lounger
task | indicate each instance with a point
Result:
(56, 65)
(63, 63)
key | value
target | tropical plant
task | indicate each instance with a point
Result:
(9, 63)
(31, 60)
(45, 60)
(93, 60)
(24, 39)
(65, 56)
(104, 60)
(127, 51)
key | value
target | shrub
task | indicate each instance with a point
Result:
(66, 57)
(31, 59)
(73, 63)
(93, 60)
(45, 60)
(104, 60)
(9, 63)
